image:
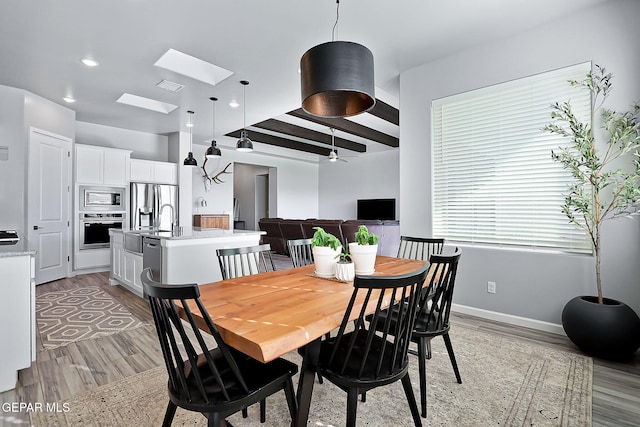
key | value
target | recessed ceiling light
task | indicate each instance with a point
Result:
(149, 104)
(90, 62)
(234, 104)
(193, 67)
(69, 99)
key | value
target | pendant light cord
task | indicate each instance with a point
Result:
(244, 107)
(335, 25)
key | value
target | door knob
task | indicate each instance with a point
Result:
(36, 227)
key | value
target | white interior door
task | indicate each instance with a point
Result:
(49, 203)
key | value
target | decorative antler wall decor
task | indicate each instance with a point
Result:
(216, 178)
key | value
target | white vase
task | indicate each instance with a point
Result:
(364, 257)
(325, 260)
(345, 272)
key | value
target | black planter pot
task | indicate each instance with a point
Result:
(609, 331)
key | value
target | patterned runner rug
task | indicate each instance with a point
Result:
(506, 382)
(67, 316)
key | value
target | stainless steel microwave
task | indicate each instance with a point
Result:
(102, 198)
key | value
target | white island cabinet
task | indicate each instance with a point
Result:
(188, 256)
(17, 312)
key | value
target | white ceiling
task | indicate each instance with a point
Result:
(42, 42)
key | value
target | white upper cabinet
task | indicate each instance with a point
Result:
(154, 172)
(100, 165)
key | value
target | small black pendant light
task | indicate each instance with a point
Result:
(244, 143)
(337, 78)
(190, 161)
(213, 152)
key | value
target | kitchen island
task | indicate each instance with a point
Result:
(17, 311)
(186, 255)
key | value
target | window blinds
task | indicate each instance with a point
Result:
(493, 176)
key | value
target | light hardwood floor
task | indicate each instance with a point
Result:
(66, 371)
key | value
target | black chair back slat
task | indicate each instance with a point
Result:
(300, 252)
(245, 261)
(419, 247)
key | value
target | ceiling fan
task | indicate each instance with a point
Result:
(333, 155)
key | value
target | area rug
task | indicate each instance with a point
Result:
(506, 382)
(67, 316)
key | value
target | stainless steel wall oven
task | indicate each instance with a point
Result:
(94, 229)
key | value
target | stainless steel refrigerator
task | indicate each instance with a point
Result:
(153, 206)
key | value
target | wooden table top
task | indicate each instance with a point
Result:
(270, 314)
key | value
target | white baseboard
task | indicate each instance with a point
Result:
(509, 318)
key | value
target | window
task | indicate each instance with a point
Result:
(493, 176)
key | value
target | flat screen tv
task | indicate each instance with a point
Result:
(382, 209)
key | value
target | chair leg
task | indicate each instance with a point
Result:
(169, 414)
(352, 406)
(215, 420)
(263, 410)
(411, 398)
(245, 414)
(429, 349)
(291, 400)
(363, 397)
(422, 371)
(452, 357)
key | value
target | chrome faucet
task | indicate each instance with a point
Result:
(173, 215)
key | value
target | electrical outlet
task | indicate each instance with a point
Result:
(491, 287)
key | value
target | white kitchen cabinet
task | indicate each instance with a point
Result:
(132, 268)
(101, 165)
(17, 317)
(117, 256)
(153, 172)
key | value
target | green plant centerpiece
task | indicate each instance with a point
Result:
(345, 269)
(326, 248)
(364, 250)
(605, 168)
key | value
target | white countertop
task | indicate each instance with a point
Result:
(189, 233)
(20, 248)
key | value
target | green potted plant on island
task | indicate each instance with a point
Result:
(326, 248)
(606, 185)
(345, 270)
(364, 250)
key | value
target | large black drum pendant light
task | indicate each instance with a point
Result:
(337, 78)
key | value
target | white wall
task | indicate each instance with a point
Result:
(297, 182)
(532, 285)
(146, 146)
(19, 111)
(370, 176)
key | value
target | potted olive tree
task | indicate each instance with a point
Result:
(326, 248)
(364, 250)
(606, 184)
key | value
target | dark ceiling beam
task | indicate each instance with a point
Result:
(309, 134)
(281, 142)
(349, 127)
(386, 112)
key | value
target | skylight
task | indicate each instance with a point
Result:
(192, 67)
(146, 103)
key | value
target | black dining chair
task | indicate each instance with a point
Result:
(245, 261)
(419, 247)
(433, 316)
(360, 358)
(216, 382)
(300, 252)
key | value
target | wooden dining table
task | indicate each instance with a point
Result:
(267, 315)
